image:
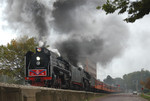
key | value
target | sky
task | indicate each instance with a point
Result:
(136, 53)
(117, 47)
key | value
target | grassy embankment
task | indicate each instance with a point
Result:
(146, 96)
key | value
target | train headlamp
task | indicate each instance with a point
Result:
(38, 63)
(38, 58)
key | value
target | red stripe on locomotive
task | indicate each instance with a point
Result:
(37, 72)
(42, 78)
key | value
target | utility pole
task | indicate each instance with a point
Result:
(136, 85)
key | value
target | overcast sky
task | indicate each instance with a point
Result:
(134, 53)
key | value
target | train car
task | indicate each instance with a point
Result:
(105, 88)
(99, 86)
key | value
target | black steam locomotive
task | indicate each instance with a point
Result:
(45, 68)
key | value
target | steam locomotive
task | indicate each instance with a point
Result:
(46, 68)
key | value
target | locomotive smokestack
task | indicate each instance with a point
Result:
(44, 45)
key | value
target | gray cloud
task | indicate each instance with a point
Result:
(28, 16)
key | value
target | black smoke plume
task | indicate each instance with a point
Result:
(76, 28)
(79, 51)
(88, 38)
(62, 14)
(38, 11)
(28, 17)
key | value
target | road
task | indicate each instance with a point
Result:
(120, 97)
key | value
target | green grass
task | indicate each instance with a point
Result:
(148, 93)
(145, 97)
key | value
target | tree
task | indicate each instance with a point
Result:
(135, 9)
(119, 81)
(136, 80)
(114, 81)
(147, 83)
(109, 80)
(12, 57)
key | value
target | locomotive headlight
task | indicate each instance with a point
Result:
(38, 58)
(38, 63)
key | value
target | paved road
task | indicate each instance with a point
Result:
(120, 97)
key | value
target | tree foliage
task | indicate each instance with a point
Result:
(147, 83)
(12, 56)
(135, 9)
(114, 81)
(133, 81)
(109, 80)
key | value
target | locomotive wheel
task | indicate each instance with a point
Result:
(68, 84)
(58, 83)
(86, 85)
